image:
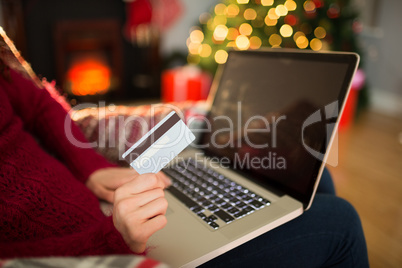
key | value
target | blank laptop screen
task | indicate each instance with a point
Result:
(273, 114)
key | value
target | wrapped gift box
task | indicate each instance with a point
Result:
(185, 83)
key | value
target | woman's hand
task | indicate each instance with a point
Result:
(139, 209)
(104, 182)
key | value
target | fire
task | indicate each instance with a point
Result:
(89, 76)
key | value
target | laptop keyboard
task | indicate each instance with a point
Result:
(211, 195)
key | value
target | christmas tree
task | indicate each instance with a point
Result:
(251, 24)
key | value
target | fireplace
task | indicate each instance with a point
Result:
(88, 58)
(74, 42)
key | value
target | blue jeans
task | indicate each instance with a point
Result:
(329, 234)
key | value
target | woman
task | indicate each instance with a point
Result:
(49, 192)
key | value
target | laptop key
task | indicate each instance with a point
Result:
(182, 197)
(224, 216)
(197, 209)
(256, 204)
(201, 215)
(248, 209)
(214, 225)
(211, 218)
(233, 210)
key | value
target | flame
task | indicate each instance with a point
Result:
(89, 76)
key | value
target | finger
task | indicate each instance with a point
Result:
(148, 229)
(154, 224)
(140, 184)
(152, 209)
(121, 176)
(139, 200)
(164, 178)
(104, 194)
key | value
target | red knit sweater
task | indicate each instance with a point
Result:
(45, 207)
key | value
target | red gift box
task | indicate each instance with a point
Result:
(185, 83)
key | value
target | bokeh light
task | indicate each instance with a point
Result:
(250, 14)
(286, 30)
(242, 42)
(245, 29)
(320, 32)
(290, 5)
(272, 14)
(270, 22)
(221, 56)
(196, 36)
(281, 10)
(267, 2)
(255, 42)
(232, 34)
(275, 40)
(297, 34)
(220, 32)
(193, 48)
(205, 50)
(220, 9)
(309, 6)
(242, 1)
(302, 42)
(316, 44)
(232, 10)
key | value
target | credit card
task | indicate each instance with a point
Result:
(160, 145)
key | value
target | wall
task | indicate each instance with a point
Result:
(175, 37)
(382, 39)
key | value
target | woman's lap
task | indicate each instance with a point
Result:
(328, 234)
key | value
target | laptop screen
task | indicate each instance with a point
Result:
(273, 115)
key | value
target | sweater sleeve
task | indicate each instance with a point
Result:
(44, 117)
(101, 239)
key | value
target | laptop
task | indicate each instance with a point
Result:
(260, 155)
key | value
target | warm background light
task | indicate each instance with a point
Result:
(221, 56)
(242, 42)
(89, 76)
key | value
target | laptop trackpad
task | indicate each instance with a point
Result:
(169, 211)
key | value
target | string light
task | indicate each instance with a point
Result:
(290, 5)
(309, 6)
(220, 32)
(281, 10)
(221, 56)
(232, 33)
(245, 29)
(245, 24)
(193, 48)
(286, 30)
(255, 42)
(220, 9)
(250, 14)
(196, 36)
(297, 34)
(231, 44)
(272, 14)
(232, 10)
(275, 40)
(270, 22)
(205, 50)
(267, 2)
(242, 42)
(316, 44)
(302, 42)
(320, 32)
